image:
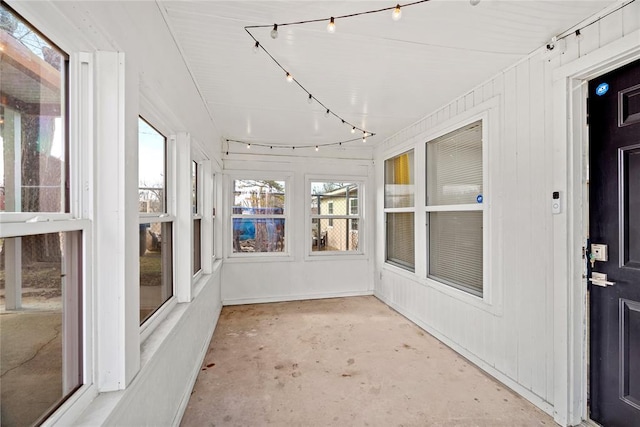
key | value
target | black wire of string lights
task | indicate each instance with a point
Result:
(292, 147)
(578, 31)
(396, 14)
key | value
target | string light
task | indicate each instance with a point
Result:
(578, 33)
(331, 27)
(256, 46)
(397, 13)
(248, 146)
(316, 147)
(364, 137)
(474, 2)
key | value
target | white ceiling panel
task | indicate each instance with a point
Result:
(379, 74)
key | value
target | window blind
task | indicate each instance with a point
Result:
(400, 239)
(455, 249)
(454, 167)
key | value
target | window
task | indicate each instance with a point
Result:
(258, 216)
(334, 221)
(196, 252)
(41, 334)
(455, 209)
(214, 200)
(399, 210)
(156, 223)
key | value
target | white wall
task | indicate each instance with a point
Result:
(518, 336)
(298, 276)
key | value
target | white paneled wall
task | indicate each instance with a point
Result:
(513, 336)
(298, 275)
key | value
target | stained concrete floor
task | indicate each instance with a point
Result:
(342, 362)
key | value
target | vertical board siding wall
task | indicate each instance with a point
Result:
(513, 341)
(255, 278)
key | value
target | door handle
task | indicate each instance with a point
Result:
(600, 279)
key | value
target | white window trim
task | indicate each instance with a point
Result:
(412, 209)
(310, 255)
(79, 157)
(261, 256)
(203, 198)
(464, 208)
(152, 118)
(488, 112)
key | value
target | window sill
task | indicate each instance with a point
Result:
(259, 257)
(148, 327)
(336, 256)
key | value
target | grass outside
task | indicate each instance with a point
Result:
(151, 269)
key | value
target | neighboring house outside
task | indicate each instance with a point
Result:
(340, 233)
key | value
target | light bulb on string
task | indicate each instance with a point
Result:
(317, 148)
(289, 77)
(248, 146)
(256, 46)
(579, 35)
(364, 137)
(397, 13)
(331, 27)
(274, 32)
(310, 99)
(326, 114)
(353, 129)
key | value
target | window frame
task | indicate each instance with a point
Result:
(360, 181)
(288, 191)
(468, 207)
(167, 216)
(394, 210)
(77, 90)
(197, 215)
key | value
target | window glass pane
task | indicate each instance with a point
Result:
(454, 167)
(194, 187)
(455, 249)
(258, 235)
(334, 198)
(196, 254)
(151, 168)
(398, 181)
(156, 268)
(400, 239)
(258, 197)
(33, 164)
(40, 324)
(334, 234)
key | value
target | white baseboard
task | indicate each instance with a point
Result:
(284, 298)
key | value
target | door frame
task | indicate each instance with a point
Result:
(570, 169)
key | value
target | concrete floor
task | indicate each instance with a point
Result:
(342, 362)
(30, 364)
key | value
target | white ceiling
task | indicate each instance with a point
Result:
(378, 74)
